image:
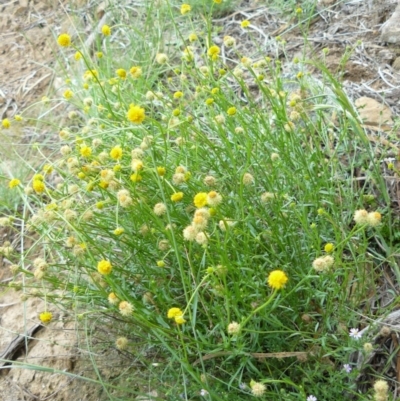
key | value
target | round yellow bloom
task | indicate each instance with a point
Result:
(329, 247)
(68, 94)
(64, 40)
(185, 8)
(136, 177)
(160, 263)
(136, 114)
(85, 151)
(121, 343)
(192, 37)
(200, 200)
(177, 196)
(161, 171)
(14, 183)
(178, 95)
(179, 319)
(38, 186)
(17, 117)
(277, 279)
(121, 73)
(116, 152)
(6, 123)
(231, 111)
(136, 72)
(104, 267)
(77, 56)
(173, 312)
(213, 51)
(106, 30)
(45, 317)
(119, 231)
(245, 23)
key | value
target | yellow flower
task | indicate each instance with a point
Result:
(38, 186)
(192, 37)
(104, 267)
(160, 263)
(68, 94)
(18, 117)
(64, 40)
(200, 200)
(77, 56)
(374, 219)
(85, 151)
(99, 54)
(45, 317)
(116, 152)
(277, 279)
(106, 30)
(173, 312)
(161, 171)
(178, 95)
(136, 114)
(119, 231)
(245, 23)
(14, 183)
(136, 72)
(177, 315)
(231, 111)
(213, 52)
(136, 177)
(185, 8)
(177, 196)
(121, 73)
(6, 123)
(329, 247)
(218, 1)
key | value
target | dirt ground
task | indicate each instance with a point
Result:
(27, 32)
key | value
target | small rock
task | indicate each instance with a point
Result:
(391, 28)
(396, 64)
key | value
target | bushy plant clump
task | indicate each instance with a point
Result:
(210, 204)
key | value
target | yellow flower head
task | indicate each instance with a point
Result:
(68, 94)
(161, 171)
(112, 298)
(104, 267)
(192, 37)
(136, 114)
(77, 56)
(185, 8)
(14, 183)
(6, 123)
(213, 52)
(45, 317)
(85, 151)
(277, 279)
(177, 196)
(136, 72)
(106, 30)
(329, 247)
(116, 152)
(178, 95)
(38, 186)
(121, 73)
(231, 111)
(119, 231)
(177, 315)
(173, 312)
(200, 200)
(245, 23)
(64, 40)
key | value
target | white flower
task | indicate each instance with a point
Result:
(347, 368)
(355, 333)
(312, 398)
(203, 392)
